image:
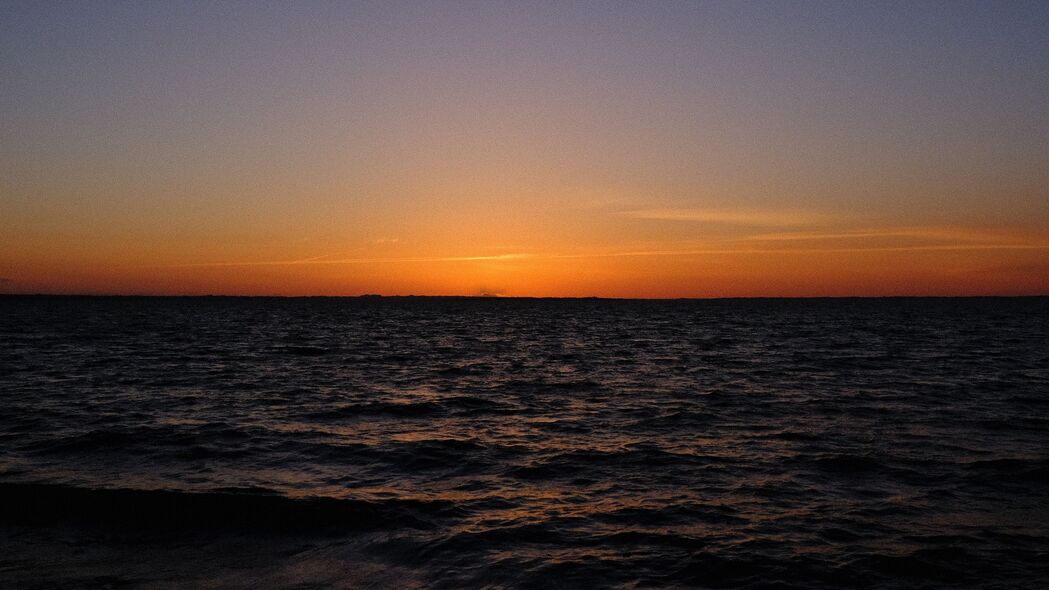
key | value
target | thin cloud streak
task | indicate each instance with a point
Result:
(762, 217)
(960, 239)
(699, 252)
(928, 233)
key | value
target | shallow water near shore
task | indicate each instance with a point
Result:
(515, 443)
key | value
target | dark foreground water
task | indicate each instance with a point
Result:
(458, 443)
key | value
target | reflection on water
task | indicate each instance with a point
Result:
(524, 443)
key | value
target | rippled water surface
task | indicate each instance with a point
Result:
(418, 442)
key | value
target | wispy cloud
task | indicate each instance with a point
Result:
(884, 239)
(468, 258)
(929, 233)
(759, 217)
(602, 203)
(744, 250)
(871, 239)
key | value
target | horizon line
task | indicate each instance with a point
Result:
(506, 297)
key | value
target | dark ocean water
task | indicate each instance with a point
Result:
(469, 443)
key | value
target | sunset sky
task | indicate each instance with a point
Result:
(648, 149)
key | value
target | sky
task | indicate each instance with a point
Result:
(616, 149)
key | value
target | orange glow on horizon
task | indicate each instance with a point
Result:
(833, 261)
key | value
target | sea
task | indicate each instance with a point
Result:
(418, 442)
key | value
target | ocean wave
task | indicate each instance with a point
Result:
(367, 409)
